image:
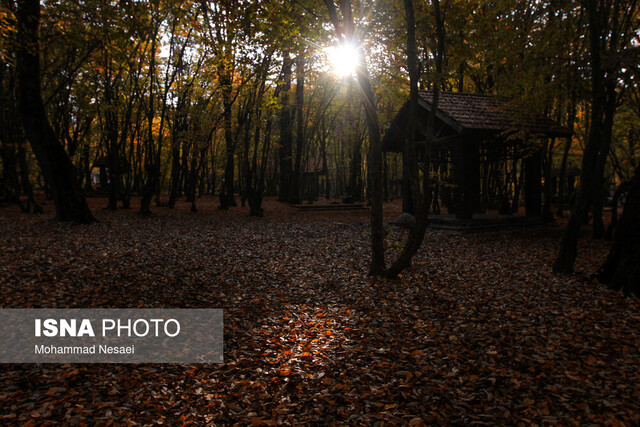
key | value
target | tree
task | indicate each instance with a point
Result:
(420, 197)
(117, 74)
(9, 127)
(56, 166)
(296, 187)
(285, 151)
(621, 270)
(611, 27)
(345, 30)
(230, 35)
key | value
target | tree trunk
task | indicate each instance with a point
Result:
(286, 137)
(532, 184)
(255, 201)
(355, 170)
(113, 149)
(407, 194)
(176, 171)
(421, 200)
(178, 155)
(9, 139)
(56, 166)
(565, 156)
(409, 158)
(325, 165)
(152, 170)
(25, 184)
(227, 198)
(385, 177)
(547, 211)
(621, 270)
(614, 209)
(517, 183)
(599, 193)
(584, 194)
(296, 183)
(10, 182)
(255, 175)
(562, 179)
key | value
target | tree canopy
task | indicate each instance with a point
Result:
(243, 98)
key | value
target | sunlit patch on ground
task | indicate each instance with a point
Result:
(308, 339)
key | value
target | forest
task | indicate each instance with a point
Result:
(411, 212)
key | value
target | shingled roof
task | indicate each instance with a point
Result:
(466, 113)
(484, 112)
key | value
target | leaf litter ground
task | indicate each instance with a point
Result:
(478, 331)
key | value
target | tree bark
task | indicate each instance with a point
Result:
(565, 155)
(286, 137)
(621, 270)
(25, 183)
(607, 132)
(56, 166)
(614, 209)
(9, 138)
(151, 168)
(227, 198)
(355, 170)
(296, 183)
(176, 172)
(533, 184)
(584, 194)
(562, 179)
(547, 211)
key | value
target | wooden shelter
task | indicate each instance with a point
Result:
(313, 169)
(100, 179)
(470, 129)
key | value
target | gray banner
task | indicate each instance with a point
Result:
(111, 335)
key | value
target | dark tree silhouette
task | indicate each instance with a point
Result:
(621, 270)
(56, 166)
(607, 32)
(286, 135)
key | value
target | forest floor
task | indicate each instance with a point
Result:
(478, 331)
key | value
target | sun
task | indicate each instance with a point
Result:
(343, 59)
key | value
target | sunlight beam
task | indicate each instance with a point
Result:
(343, 59)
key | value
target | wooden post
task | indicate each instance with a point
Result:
(407, 196)
(533, 184)
(464, 178)
(472, 165)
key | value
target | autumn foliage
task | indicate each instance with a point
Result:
(478, 330)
